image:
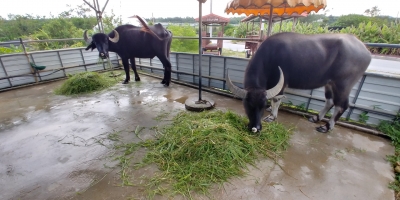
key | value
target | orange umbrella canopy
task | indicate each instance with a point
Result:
(280, 7)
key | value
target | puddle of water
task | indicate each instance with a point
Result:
(182, 99)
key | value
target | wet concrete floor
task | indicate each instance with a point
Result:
(57, 147)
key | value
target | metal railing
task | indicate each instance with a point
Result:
(379, 45)
(154, 68)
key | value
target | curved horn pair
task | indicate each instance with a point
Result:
(269, 93)
(115, 39)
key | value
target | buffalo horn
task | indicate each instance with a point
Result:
(275, 90)
(235, 89)
(87, 40)
(116, 37)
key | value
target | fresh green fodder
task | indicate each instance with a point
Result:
(85, 82)
(201, 149)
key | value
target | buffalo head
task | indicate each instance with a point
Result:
(100, 41)
(254, 100)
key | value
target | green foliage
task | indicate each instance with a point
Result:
(246, 29)
(372, 33)
(228, 30)
(55, 29)
(182, 20)
(363, 118)
(355, 20)
(110, 21)
(85, 82)
(11, 49)
(184, 45)
(19, 25)
(304, 28)
(202, 149)
(84, 23)
(235, 20)
(312, 18)
(187, 20)
(392, 129)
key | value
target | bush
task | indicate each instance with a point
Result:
(372, 33)
(11, 49)
(184, 45)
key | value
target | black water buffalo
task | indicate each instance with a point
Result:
(131, 42)
(336, 61)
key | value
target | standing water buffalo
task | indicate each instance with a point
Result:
(131, 42)
(336, 61)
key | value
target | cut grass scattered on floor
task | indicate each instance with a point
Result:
(86, 82)
(201, 149)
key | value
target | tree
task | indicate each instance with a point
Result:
(373, 12)
(110, 22)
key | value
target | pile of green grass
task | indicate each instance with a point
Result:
(202, 149)
(85, 82)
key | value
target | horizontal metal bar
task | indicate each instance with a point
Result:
(178, 72)
(42, 71)
(379, 45)
(217, 38)
(53, 40)
(382, 45)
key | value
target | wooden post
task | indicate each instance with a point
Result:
(29, 61)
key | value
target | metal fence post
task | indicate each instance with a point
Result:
(309, 100)
(177, 65)
(223, 75)
(356, 96)
(193, 69)
(5, 72)
(34, 71)
(38, 73)
(62, 65)
(209, 71)
(151, 64)
(83, 59)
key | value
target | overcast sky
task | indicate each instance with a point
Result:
(180, 8)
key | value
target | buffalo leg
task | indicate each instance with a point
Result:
(275, 103)
(328, 105)
(125, 62)
(341, 102)
(167, 70)
(133, 65)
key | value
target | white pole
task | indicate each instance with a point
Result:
(210, 13)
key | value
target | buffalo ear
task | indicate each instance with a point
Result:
(91, 46)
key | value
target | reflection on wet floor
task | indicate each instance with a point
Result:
(54, 147)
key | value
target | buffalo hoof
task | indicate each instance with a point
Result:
(269, 118)
(313, 119)
(137, 79)
(165, 83)
(125, 82)
(322, 129)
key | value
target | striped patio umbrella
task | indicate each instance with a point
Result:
(274, 7)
